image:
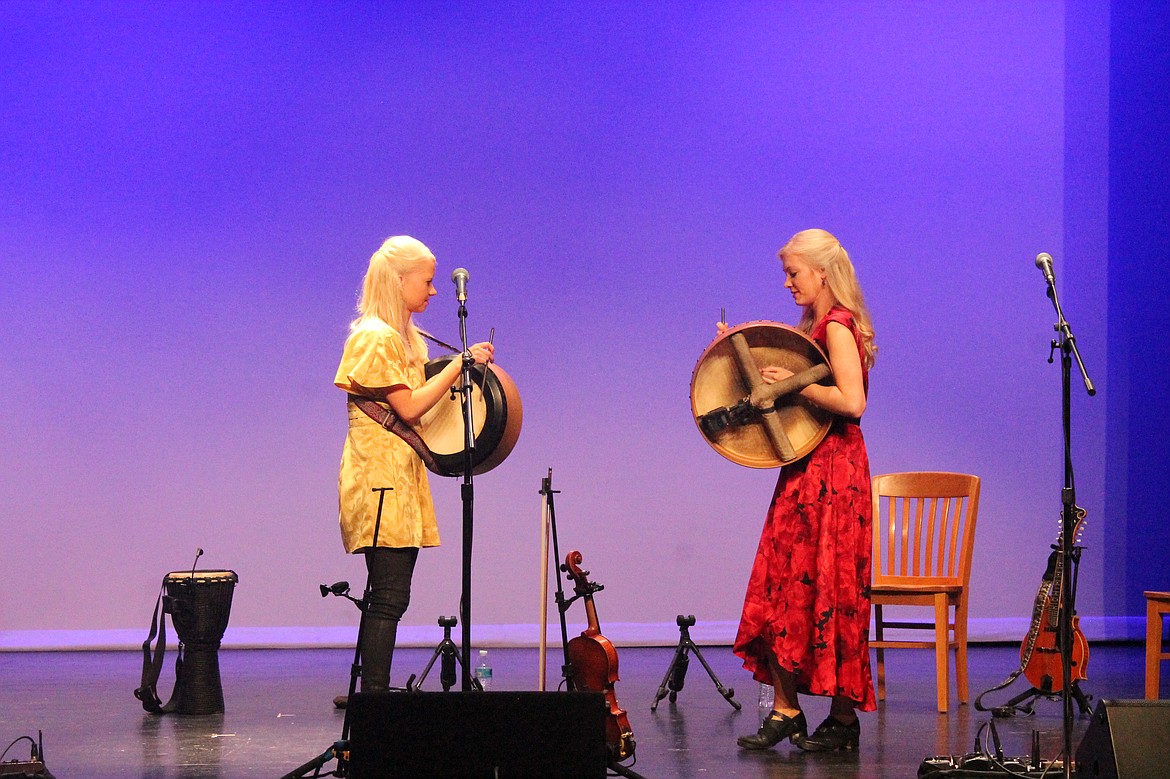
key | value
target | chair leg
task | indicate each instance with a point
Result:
(881, 654)
(1153, 649)
(961, 648)
(941, 634)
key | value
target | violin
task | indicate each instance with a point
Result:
(595, 663)
(1040, 653)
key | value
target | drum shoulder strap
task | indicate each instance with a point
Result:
(152, 661)
(389, 420)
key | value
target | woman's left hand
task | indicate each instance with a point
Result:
(774, 373)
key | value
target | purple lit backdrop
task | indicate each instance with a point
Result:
(190, 195)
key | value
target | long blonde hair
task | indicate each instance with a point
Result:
(381, 296)
(822, 251)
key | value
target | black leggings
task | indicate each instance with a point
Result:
(389, 571)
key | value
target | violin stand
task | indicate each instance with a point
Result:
(450, 654)
(677, 672)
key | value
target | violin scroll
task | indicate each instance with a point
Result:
(581, 584)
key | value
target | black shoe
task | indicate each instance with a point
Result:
(832, 735)
(340, 701)
(774, 729)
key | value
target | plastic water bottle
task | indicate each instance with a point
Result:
(483, 671)
(767, 697)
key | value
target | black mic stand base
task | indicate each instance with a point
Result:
(447, 650)
(677, 672)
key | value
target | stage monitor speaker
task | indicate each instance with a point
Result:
(457, 735)
(1126, 739)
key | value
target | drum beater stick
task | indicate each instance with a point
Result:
(487, 366)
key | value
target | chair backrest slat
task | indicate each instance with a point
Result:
(924, 525)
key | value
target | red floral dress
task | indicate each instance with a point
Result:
(807, 599)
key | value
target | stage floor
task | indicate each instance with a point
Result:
(280, 713)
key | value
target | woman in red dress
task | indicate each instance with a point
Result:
(805, 620)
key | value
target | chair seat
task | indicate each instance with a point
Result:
(915, 589)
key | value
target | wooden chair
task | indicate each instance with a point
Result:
(923, 534)
(1157, 606)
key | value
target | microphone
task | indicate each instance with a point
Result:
(198, 554)
(1044, 263)
(460, 276)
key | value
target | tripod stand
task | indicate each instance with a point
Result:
(447, 650)
(676, 674)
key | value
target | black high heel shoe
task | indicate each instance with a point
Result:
(774, 729)
(832, 735)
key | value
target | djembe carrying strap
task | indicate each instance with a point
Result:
(152, 660)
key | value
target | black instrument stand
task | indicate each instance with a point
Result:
(562, 605)
(450, 654)
(340, 748)
(1025, 702)
(676, 674)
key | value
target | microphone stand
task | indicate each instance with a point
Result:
(467, 492)
(1067, 344)
(340, 748)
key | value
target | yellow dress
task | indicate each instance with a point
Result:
(375, 359)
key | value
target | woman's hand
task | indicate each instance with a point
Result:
(721, 327)
(412, 404)
(482, 352)
(774, 373)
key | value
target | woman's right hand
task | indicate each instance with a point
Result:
(722, 327)
(482, 352)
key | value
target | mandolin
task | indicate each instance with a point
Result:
(1040, 655)
(595, 663)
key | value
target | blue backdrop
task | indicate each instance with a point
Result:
(190, 193)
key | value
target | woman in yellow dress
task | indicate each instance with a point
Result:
(384, 359)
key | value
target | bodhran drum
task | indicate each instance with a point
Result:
(199, 603)
(777, 430)
(496, 415)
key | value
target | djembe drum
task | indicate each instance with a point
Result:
(200, 603)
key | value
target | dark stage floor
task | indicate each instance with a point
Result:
(279, 713)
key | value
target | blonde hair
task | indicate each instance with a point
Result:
(381, 296)
(822, 251)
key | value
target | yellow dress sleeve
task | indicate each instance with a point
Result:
(373, 360)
